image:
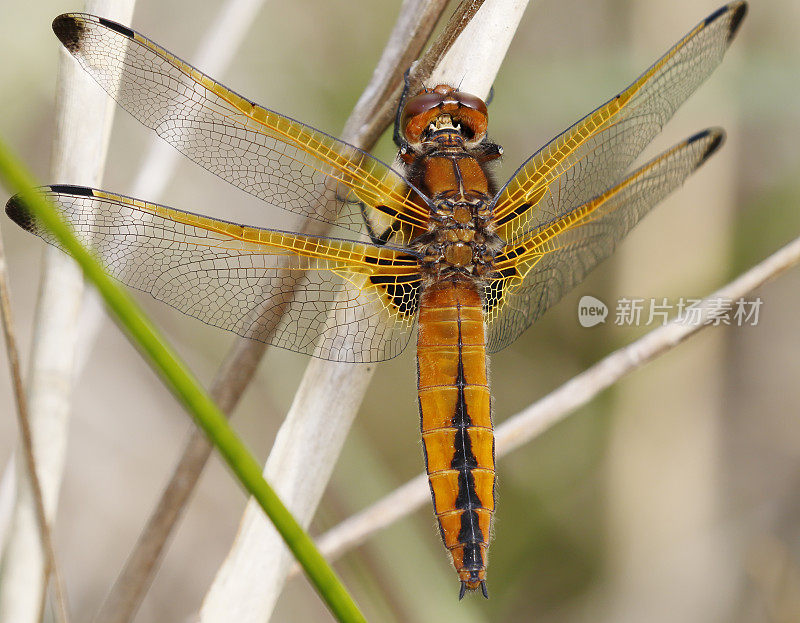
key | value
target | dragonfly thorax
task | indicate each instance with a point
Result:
(459, 238)
(447, 157)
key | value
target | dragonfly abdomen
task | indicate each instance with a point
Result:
(455, 418)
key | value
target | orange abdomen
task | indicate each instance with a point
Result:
(455, 414)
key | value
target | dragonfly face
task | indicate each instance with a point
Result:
(434, 244)
(444, 108)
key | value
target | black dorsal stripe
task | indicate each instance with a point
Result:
(467, 497)
(461, 417)
(463, 457)
(464, 461)
(472, 560)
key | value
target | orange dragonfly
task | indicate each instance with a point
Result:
(433, 242)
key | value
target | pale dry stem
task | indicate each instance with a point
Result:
(83, 121)
(26, 436)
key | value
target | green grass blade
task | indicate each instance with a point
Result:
(187, 389)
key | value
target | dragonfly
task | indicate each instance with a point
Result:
(432, 242)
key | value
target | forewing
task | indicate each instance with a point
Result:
(282, 161)
(593, 154)
(331, 298)
(537, 270)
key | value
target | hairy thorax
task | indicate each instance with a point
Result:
(459, 237)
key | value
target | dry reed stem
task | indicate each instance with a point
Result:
(12, 352)
(83, 122)
(528, 424)
(8, 493)
(305, 450)
(367, 123)
(213, 55)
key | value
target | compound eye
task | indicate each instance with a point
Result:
(472, 114)
(418, 112)
(474, 102)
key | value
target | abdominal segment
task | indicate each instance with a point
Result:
(455, 414)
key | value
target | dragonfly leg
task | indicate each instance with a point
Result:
(402, 144)
(383, 238)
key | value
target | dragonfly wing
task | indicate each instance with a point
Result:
(587, 158)
(331, 298)
(537, 270)
(282, 161)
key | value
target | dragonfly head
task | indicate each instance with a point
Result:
(444, 108)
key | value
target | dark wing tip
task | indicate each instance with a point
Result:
(715, 137)
(17, 210)
(737, 9)
(69, 29)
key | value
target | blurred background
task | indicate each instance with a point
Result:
(671, 497)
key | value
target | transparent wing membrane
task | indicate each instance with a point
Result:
(282, 161)
(563, 211)
(534, 272)
(593, 154)
(326, 297)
